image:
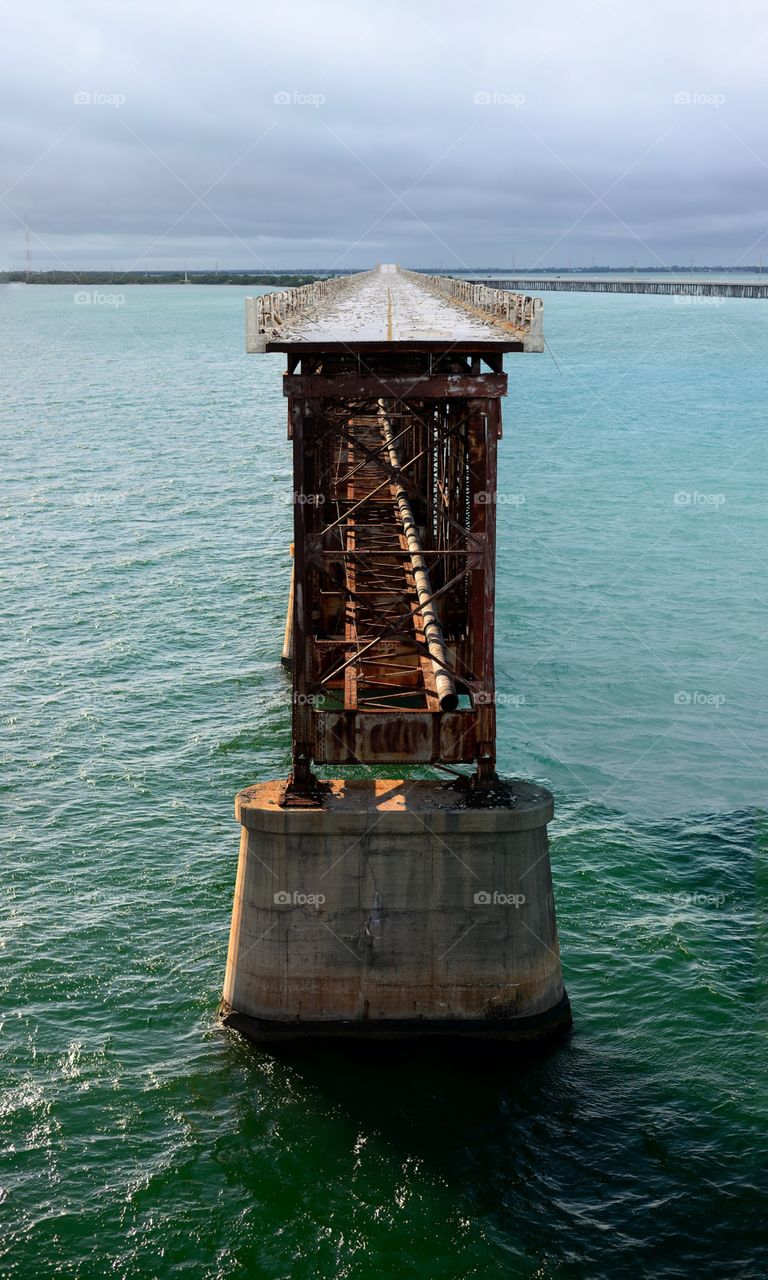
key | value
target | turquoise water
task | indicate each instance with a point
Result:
(145, 538)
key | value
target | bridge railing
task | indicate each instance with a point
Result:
(269, 315)
(514, 310)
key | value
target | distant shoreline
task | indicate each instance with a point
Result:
(291, 279)
(156, 277)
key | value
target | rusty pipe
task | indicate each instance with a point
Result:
(433, 631)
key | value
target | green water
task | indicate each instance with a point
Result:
(144, 561)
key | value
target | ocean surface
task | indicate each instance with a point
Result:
(145, 534)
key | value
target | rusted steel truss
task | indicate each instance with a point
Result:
(394, 550)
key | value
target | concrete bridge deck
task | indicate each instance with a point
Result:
(388, 306)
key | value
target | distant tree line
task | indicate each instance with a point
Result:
(154, 277)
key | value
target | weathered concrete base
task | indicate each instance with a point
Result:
(395, 910)
(520, 1030)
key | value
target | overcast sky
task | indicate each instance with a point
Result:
(340, 133)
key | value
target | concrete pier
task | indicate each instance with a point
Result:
(395, 910)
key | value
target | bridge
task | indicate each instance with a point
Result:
(689, 288)
(390, 305)
(394, 383)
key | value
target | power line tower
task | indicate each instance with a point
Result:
(27, 250)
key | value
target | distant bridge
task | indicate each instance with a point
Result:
(680, 288)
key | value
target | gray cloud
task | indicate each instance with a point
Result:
(426, 133)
